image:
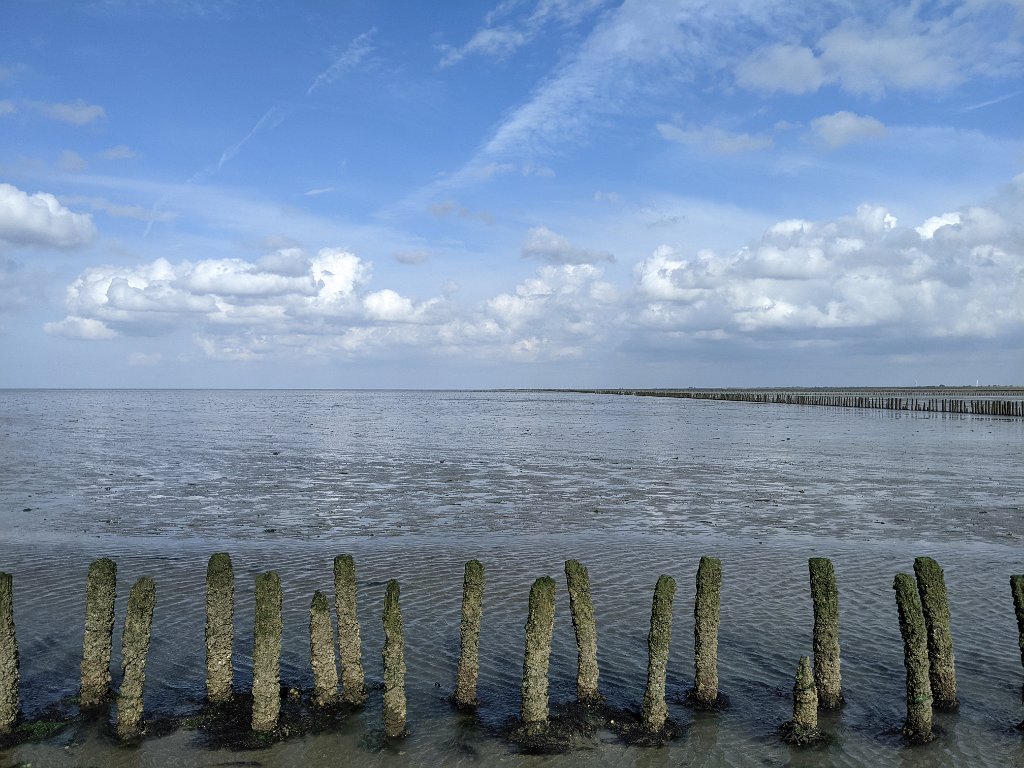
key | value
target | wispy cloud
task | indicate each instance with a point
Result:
(346, 62)
(983, 104)
(120, 152)
(318, 191)
(74, 113)
(718, 140)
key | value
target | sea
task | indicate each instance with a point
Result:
(413, 484)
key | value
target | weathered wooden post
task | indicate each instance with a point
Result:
(654, 710)
(321, 651)
(803, 728)
(469, 635)
(394, 664)
(706, 613)
(266, 653)
(931, 586)
(918, 725)
(9, 672)
(138, 627)
(100, 590)
(1017, 590)
(353, 688)
(825, 597)
(540, 625)
(581, 605)
(220, 633)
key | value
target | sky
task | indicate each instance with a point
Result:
(521, 193)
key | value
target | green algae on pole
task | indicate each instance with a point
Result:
(802, 730)
(9, 673)
(266, 653)
(469, 636)
(100, 590)
(706, 614)
(220, 634)
(1017, 589)
(540, 625)
(394, 664)
(138, 627)
(931, 586)
(321, 651)
(918, 726)
(581, 605)
(353, 687)
(655, 711)
(825, 597)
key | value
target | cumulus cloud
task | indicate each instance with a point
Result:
(541, 243)
(787, 68)
(958, 274)
(40, 220)
(284, 294)
(841, 128)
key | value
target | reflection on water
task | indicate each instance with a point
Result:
(414, 484)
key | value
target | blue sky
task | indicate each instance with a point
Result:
(519, 193)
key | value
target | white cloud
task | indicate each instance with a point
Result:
(910, 49)
(541, 243)
(71, 161)
(7, 108)
(119, 152)
(40, 220)
(958, 274)
(75, 113)
(716, 139)
(85, 328)
(120, 210)
(786, 68)
(841, 128)
(355, 54)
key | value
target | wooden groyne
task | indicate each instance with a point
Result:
(921, 602)
(1007, 403)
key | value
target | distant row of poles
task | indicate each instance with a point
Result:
(921, 600)
(896, 402)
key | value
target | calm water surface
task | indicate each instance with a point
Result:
(415, 483)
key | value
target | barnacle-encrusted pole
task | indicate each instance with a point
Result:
(321, 651)
(825, 597)
(220, 633)
(266, 653)
(100, 590)
(9, 674)
(654, 710)
(469, 635)
(931, 586)
(581, 605)
(540, 625)
(918, 725)
(353, 689)
(803, 728)
(138, 627)
(706, 614)
(394, 664)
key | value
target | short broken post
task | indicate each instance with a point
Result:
(469, 636)
(802, 730)
(266, 653)
(540, 625)
(9, 672)
(706, 614)
(918, 726)
(581, 604)
(931, 586)
(220, 633)
(353, 687)
(321, 652)
(394, 664)
(100, 590)
(138, 627)
(654, 711)
(825, 597)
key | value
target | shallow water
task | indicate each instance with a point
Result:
(414, 484)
